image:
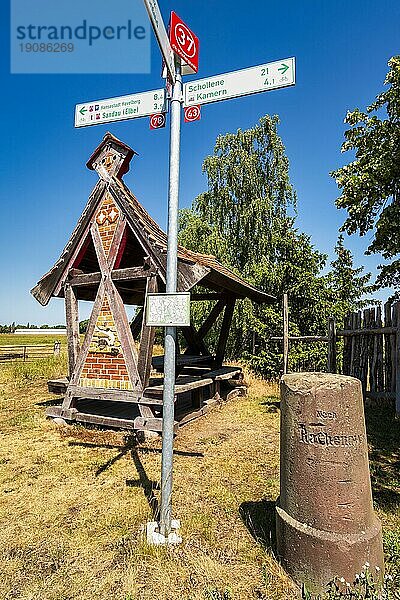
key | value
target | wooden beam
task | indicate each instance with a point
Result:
(285, 334)
(195, 344)
(212, 317)
(225, 328)
(331, 345)
(104, 421)
(195, 339)
(84, 236)
(132, 273)
(111, 394)
(147, 339)
(373, 330)
(206, 296)
(129, 274)
(151, 424)
(300, 338)
(397, 363)
(98, 303)
(72, 319)
(98, 246)
(85, 279)
(182, 385)
(116, 242)
(124, 333)
(136, 324)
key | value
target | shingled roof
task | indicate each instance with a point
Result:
(193, 268)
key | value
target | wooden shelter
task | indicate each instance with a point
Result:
(114, 257)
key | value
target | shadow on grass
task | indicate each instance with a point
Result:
(52, 402)
(259, 518)
(383, 432)
(145, 483)
(131, 446)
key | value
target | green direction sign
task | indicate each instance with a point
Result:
(121, 108)
(261, 78)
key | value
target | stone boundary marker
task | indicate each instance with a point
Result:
(326, 525)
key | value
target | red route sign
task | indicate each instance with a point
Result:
(192, 113)
(157, 120)
(184, 42)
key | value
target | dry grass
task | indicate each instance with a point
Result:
(74, 501)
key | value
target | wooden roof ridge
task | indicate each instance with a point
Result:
(206, 260)
(45, 287)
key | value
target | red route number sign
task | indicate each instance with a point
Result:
(184, 42)
(192, 113)
(157, 121)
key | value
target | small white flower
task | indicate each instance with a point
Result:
(366, 565)
(347, 583)
(342, 580)
(377, 569)
(390, 578)
(362, 575)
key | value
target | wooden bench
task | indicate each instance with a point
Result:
(183, 384)
(182, 361)
(57, 386)
(225, 373)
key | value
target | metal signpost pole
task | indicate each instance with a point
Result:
(171, 284)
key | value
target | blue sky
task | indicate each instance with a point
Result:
(341, 49)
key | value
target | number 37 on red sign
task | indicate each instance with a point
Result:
(184, 42)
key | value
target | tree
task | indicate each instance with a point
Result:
(83, 326)
(347, 285)
(248, 194)
(370, 184)
(243, 219)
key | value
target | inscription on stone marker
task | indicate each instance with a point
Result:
(323, 414)
(323, 438)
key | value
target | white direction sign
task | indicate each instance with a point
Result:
(121, 108)
(153, 10)
(262, 78)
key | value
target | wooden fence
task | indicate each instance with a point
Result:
(371, 349)
(330, 339)
(27, 353)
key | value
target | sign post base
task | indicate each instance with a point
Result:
(155, 538)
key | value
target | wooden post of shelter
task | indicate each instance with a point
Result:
(285, 333)
(72, 320)
(224, 333)
(332, 367)
(397, 363)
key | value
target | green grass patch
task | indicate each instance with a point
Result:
(21, 373)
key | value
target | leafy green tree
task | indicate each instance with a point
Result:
(370, 184)
(83, 325)
(348, 286)
(243, 219)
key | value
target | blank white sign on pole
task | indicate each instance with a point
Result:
(168, 310)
